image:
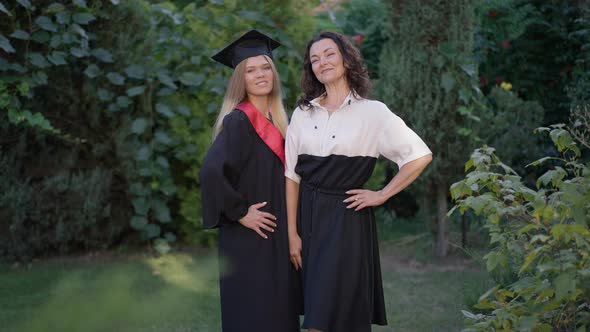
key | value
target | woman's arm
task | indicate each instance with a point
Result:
(362, 198)
(292, 194)
(292, 189)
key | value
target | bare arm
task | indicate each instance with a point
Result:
(292, 193)
(361, 198)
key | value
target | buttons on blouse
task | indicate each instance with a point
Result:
(315, 127)
(333, 136)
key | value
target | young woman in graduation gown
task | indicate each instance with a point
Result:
(243, 194)
(332, 145)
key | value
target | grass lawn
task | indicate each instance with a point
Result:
(179, 292)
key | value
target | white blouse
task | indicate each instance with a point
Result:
(359, 127)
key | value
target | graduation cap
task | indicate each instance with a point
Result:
(252, 43)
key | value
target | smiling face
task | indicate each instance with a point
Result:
(259, 76)
(326, 61)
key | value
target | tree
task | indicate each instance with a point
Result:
(364, 21)
(428, 77)
(536, 46)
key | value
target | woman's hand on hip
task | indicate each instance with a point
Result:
(362, 198)
(295, 251)
(258, 220)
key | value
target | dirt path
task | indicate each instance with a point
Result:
(400, 255)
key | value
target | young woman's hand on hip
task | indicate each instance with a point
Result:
(258, 220)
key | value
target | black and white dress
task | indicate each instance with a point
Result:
(328, 155)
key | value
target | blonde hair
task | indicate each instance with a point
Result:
(236, 93)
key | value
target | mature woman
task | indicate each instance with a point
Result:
(243, 194)
(333, 142)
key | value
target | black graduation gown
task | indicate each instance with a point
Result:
(259, 288)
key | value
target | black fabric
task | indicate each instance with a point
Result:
(252, 43)
(341, 271)
(259, 287)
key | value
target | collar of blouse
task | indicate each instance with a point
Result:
(350, 99)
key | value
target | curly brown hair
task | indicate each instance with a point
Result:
(357, 75)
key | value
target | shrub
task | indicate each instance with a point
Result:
(63, 213)
(511, 119)
(540, 239)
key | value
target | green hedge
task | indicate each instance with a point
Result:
(125, 89)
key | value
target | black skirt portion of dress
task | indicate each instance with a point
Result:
(342, 283)
(259, 287)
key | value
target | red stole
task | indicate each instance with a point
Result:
(269, 134)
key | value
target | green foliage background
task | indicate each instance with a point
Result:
(126, 89)
(537, 46)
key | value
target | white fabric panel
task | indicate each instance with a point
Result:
(360, 127)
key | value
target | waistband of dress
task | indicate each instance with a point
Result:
(322, 190)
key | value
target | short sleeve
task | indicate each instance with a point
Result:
(222, 166)
(399, 143)
(292, 148)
